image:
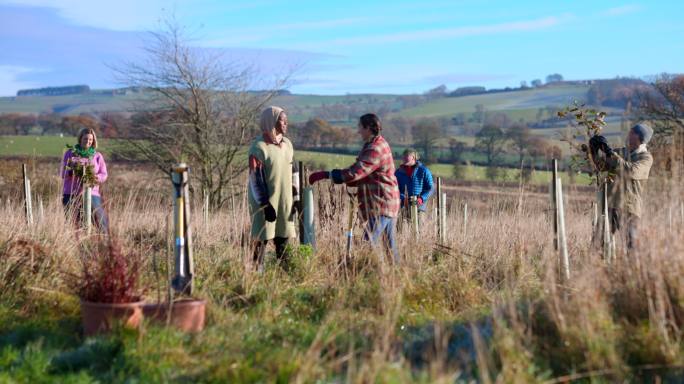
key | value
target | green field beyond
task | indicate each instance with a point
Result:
(54, 146)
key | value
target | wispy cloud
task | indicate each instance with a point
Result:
(11, 79)
(450, 33)
(622, 10)
(244, 36)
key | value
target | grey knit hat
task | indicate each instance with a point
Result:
(644, 131)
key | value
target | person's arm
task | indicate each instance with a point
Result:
(295, 182)
(428, 185)
(64, 172)
(101, 174)
(636, 170)
(257, 180)
(367, 162)
(401, 186)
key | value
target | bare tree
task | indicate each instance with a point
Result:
(520, 137)
(425, 134)
(198, 109)
(664, 107)
(491, 141)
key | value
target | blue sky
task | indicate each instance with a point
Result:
(351, 46)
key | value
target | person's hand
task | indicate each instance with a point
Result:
(318, 176)
(420, 201)
(269, 213)
(599, 142)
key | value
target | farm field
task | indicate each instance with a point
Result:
(519, 104)
(487, 305)
(53, 146)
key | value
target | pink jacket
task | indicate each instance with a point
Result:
(72, 184)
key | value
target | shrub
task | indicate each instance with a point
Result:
(108, 274)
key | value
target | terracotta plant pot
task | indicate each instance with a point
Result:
(100, 317)
(186, 314)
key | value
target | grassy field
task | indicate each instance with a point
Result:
(519, 104)
(54, 146)
(486, 306)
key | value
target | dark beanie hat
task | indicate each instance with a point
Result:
(644, 131)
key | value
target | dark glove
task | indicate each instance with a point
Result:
(296, 207)
(318, 176)
(269, 213)
(599, 142)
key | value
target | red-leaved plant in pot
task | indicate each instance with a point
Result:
(108, 287)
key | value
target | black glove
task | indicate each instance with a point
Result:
(293, 212)
(269, 213)
(599, 142)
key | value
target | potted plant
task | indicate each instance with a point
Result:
(108, 287)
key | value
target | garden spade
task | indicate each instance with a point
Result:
(182, 281)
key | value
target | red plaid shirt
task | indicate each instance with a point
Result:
(373, 174)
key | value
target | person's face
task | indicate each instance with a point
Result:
(633, 140)
(364, 132)
(86, 141)
(409, 159)
(281, 124)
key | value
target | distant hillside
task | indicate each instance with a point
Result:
(534, 106)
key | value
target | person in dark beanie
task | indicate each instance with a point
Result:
(632, 167)
(415, 180)
(373, 174)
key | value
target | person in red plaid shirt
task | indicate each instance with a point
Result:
(378, 191)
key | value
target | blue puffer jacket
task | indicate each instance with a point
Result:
(419, 184)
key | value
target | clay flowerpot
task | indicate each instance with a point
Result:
(186, 314)
(100, 317)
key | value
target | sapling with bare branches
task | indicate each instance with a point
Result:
(587, 123)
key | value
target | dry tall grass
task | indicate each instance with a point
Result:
(488, 305)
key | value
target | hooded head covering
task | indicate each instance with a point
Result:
(269, 116)
(644, 131)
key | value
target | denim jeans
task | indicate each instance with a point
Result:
(73, 203)
(383, 227)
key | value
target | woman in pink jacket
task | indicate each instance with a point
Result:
(82, 166)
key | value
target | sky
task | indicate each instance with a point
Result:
(340, 47)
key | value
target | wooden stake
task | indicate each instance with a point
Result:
(465, 219)
(440, 229)
(442, 219)
(205, 207)
(554, 202)
(88, 209)
(41, 211)
(607, 248)
(28, 210)
(562, 239)
(300, 215)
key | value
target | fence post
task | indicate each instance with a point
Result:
(465, 219)
(88, 209)
(28, 209)
(562, 239)
(182, 281)
(440, 229)
(554, 202)
(299, 178)
(442, 219)
(350, 228)
(41, 210)
(205, 207)
(413, 206)
(607, 248)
